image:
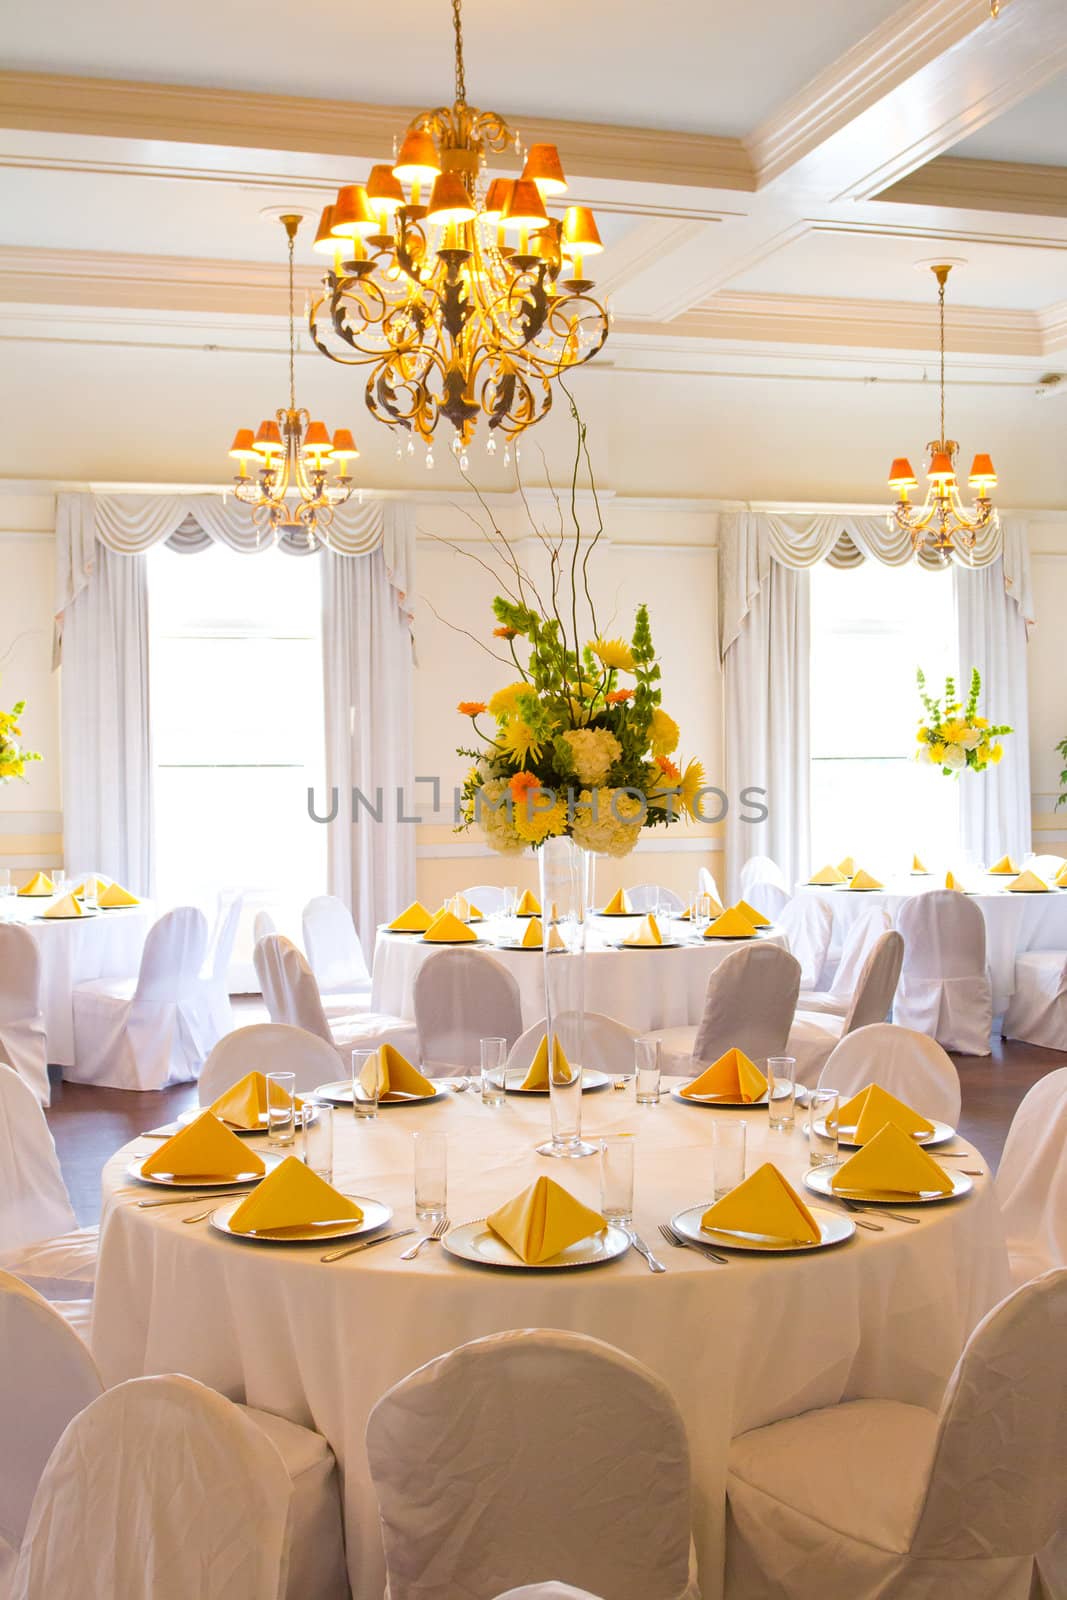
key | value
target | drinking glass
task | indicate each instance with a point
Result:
(366, 1083)
(431, 1176)
(91, 893)
(281, 1109)
(494, 1058)
(317, 1119)
(822, 1127)
(617, 1177)
(728, 1144)
(700, 916)
(460, 907)
(647, 1069)
(511, 900)
(781, 1075)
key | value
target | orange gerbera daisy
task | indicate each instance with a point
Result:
(619, 697)
(471, 708)
(668, 768)
(520, 783)
(505, 633)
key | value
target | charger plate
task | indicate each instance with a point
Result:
(835, 1227)
(941, 1135)
(591, 1080)
(475, 1241)
(375, 1216)
(781, 1092)
(186, 1117)
(820, 1181)
(170, 1180)
(340, 1094)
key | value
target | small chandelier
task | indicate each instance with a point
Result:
(464, 299)
(293, 454)
(942, 523)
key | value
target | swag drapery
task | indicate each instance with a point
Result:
(102, 640)
(764, 622)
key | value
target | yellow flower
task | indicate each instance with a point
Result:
(537, 825)
(981, 722)
(691, 785)
(614, 653)
(954, 732)
(518, 741)
(937, 753)
(502, 704)
(923, 736)
(663, 733)
(996, 751)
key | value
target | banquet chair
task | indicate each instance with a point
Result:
(460, 998)
(215, 975)
(814, 1035)
(39, 1238)
(547, 1591)
(46, 1377)
(262, 925)
(1045, 866)
(489, 898)
(877, 1498)
(706, 884)
(768, 898)
(152, 1030)
(807, 923)
(1031, 1180)
(607, 1045)
(23, 1045)
(335, 954)
(502, 1460)
(945, 989)
(267, 1047)
(162, 1489)
(859, 941)
(292, 996)
(760, 869)
(749, 1002)
(656, 897)
(910, 1065)
(1037, 1010)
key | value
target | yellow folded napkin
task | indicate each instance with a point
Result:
(398, 1076)
(474, 913)
(39, 884)
(205, 1149)
(245, 1102)
(847, 866)
(750, 914)
(647, 932)
(1061, 876)
(115, 895)
(952, 882)
(528, 905)
(543, 1220)
(447, 929)
(732, 1077)
(863, 880)
(1004, 868)
(69, 906)
(87, 883)
(731, 925)
(916, 865)
(619, 905)
(714, 907)
(1028, 883)
(869, 1111)
(537, 1077)
(292, 1197)
(766, 1205)
(826, 877)
(534, 935)
(891, 1163)
(416, 919)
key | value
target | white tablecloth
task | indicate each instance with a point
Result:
(886, 1314)
(645, 989)
(107, 945)
(1014, 923)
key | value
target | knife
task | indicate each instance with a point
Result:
(366, 1244)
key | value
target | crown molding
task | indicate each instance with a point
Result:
(157, 283)
(1010, 187)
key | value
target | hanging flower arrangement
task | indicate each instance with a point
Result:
(13, 758)
(953, 736)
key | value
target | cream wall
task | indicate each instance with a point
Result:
(1048, 681)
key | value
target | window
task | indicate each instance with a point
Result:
(872, 626)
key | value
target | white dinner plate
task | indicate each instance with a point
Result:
(820, 1181)
(169, 1181)
(619, 913)
(340, 1094)
(191, 1115)
(664, 944)
(475, 1241)
(42, 916)
(941, 1135)
(375, 1216)
(448, 943)
(834, 1226)
(591, 1079)
(403, 933)
(781, 1092)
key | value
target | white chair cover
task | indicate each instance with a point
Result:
(1032, 1179)
(749, 1002)
(334, 952)
(1045, 866)
(607, 1045)
(547, 1591)
(267, 1047)
(706, 883)
(460, 998)
(858, 944)
(877, 1500)
(655, 896)
(945, 989)
(215, 980)
(768, 898)
(908, 1064)
(292, 996)
(262, 924)
(760, 869)
(807, 923)
(1037, 1010)
(488, 897)
(23, 1045)
(39, 1240)
(152, 1032)
(501, 1459)
(814, 1035)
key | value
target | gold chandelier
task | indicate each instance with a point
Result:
(942, 522)
(464, 299)
(293, 454)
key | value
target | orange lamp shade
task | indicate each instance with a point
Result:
(524, 208)
(243, 446)
(581, 237)
(449, 201)
(497, 196)
(418, 161)
(384, 191)
(325, 243)
(983, 472)
(352, 216)
(344, 446)
(901, 475)
(317, 439)
(940, 469)
(543, 167)
(268, 440)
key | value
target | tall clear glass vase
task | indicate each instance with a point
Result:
(567, 887)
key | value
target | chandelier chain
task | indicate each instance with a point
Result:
(292, 326)
(461, 81)
(941, 325)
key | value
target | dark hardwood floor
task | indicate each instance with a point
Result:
(90, 1124)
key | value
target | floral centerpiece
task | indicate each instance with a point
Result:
(953, 736)
(13, 758)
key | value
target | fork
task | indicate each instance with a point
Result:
(690, 1244)
(895, 1216)
(437, 1232)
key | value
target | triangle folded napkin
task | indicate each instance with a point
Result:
(733, 924)
(646, 933)
(416, 919)
(766, 1205)
(750, 914)
(732, 1077)
(115, 895)
(87, 883)
(1061, 876)
(715, 907)
(893, 1164)
(243, 1104)
(399, 1079)
(916, 865)
(293, 1197)
(827, 877)
(39, 884)
(952, 882)
(205, 1149)
(863, 880)
(619, 905)
(447, 929)
(537, 1077)
(1028, 883)
(1004, 868)
(869, 1111)
(533, 938)
(528, 906)
(543, 1220)
(69, 906)
(847, 866)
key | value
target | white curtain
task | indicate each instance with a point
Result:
(367, 666)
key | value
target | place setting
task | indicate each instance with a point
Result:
(381, 1079)
(499, 1078)
(733, 1082)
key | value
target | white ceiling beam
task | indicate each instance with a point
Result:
(1011, 188)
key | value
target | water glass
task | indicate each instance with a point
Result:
(431, 1176)
(91, 893)
(460, 907)
(494, 1058)
(617, 1177)
(281, 1109)
(700, 915)
(317, 1119)
(366, 1083)
(781, 1076)
(511, 900)
(822, 1127)
(728, 1145)
(647, 1068)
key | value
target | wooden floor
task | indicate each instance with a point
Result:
(90, 1124)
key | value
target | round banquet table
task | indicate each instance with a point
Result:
(884, 1314)
(107, 944)
(643, 988)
